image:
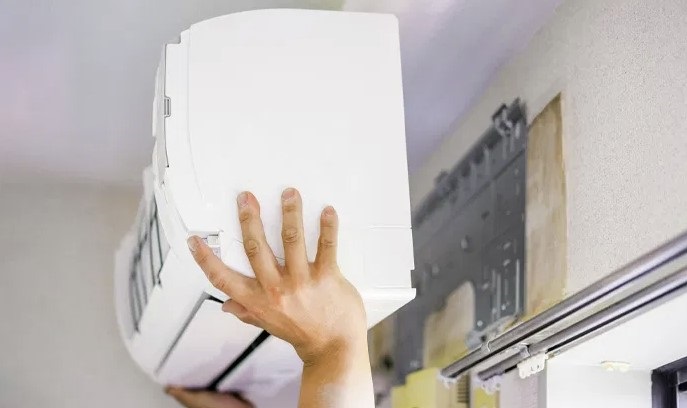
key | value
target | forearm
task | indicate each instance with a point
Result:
(340, 379)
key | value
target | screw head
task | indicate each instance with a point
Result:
(465, 243)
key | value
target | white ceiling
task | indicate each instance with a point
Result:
(76, 76)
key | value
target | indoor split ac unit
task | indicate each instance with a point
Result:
(260, 101)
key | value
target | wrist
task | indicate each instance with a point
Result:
(345, 350)
(339, 377)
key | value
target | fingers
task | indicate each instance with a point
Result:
(186, 398)
(238, 310)
(227, 280)
(254, 242)
(326, 245)
(205, 399)
(292, 233)
(233, 307)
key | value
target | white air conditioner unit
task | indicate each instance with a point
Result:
(260, 101)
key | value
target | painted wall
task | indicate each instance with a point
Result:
(59, 344)
(620, 66)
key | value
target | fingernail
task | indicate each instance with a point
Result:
(192, 243)
(242, 199)
(328, 211)
(288, 194)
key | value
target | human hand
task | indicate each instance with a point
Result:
(309, 305)
(205, 399)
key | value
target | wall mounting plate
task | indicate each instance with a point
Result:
(471, 228)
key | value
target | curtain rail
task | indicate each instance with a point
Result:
(617, 280)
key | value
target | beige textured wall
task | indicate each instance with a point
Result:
(620, 66)
(59, 345)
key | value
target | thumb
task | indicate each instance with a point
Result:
(189, 399)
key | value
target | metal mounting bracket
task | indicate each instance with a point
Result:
(471, 228)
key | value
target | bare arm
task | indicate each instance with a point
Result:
(310, 305)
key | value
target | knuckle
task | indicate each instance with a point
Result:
(274, 295)
(290, 207)
(223, 285)
(327, 242)
(329, 222)
(245, 215)
(252, 248)
(290, 235)
(217, 280)
(202, 258)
